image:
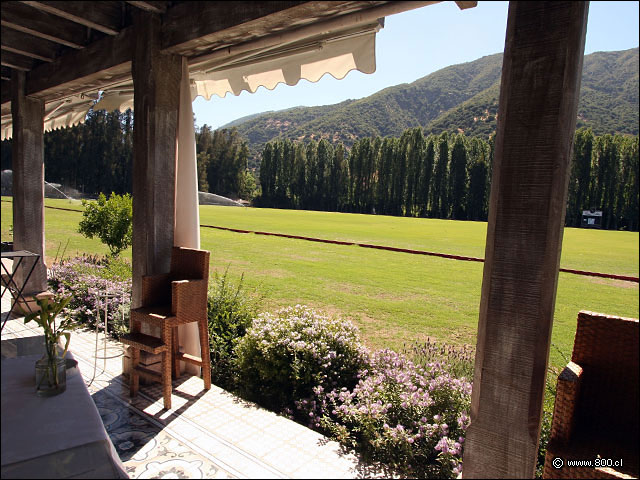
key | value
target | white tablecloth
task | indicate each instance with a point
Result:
(53, 437)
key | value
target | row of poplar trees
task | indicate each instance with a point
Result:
(444, 176)
(604, 176)
(439, 176)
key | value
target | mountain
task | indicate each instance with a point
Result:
(462, 98)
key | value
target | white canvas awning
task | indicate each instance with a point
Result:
(335, 49)
(249, 67)
(60, 113)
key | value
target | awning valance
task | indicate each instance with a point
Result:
(285, 58)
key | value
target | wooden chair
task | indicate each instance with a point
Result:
(596, 408)
(169, 300)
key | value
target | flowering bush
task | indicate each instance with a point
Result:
(404, 418)
(230, 312)
(87, 280)
(460, 361)
(409, 419)
(285, 355)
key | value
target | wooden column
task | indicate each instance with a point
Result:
(156, 81)
(541, 74)
(28, 181)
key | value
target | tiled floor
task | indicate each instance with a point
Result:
(207, 434)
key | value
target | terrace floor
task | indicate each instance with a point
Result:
(207, 434)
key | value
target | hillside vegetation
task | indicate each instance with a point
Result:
(460, 98)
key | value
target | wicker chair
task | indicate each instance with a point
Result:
(169, 300)
(596, 408)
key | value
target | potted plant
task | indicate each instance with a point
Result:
(51, 368)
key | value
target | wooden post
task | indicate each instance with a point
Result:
(28, 181)
(156, 81)
(541, 73)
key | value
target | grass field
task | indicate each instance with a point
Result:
(393, 297)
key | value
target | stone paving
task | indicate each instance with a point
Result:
(207, 434)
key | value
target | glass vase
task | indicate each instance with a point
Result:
(51, 375)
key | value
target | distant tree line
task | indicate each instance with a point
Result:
(97, 157)
(92, 157)
(222, 163)
(604, 176)
(438, 176)
(443, 176)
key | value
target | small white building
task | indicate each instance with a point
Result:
(592, 219)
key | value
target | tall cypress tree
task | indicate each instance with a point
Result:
(426, 172)
(579, 179)
(414, 157)
(458, 179)
(605, 165)
(267, 177)
(628, 198)
(439, 204)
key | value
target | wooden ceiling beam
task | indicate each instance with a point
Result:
(25, 19)
(28, 45)
(102, 63)
(102, 16)
(193, 26)
(16, 61)
(153, 7)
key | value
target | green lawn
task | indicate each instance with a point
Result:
(393, 297)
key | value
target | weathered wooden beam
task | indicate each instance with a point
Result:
(25, 19)
(28, 45)
(103, 16)
(192, 26)
(156, 81)
(105, 61)
(153, 7)
(27, 163)
(16, 61)
(539, 94)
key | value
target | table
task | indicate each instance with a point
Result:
(16, 291)
(54, 437)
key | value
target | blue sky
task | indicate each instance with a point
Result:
(414, 44)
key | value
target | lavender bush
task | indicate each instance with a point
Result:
(283, 356)
(87, 279)
(459, 360)
(401, 417)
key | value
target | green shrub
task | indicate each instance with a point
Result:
(109, 220)
(285, 355)
(230, 311)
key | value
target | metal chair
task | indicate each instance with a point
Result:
(169, 300)
(596, 410)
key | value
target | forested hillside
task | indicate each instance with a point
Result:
(460, 98)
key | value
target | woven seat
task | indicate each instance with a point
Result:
(185, 287)
(596, 407)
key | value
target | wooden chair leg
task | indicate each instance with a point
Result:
(204, 353)
(166, 378)
(175, 348)
(134, 375)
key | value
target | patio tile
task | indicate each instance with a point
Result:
(207, 434)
